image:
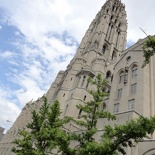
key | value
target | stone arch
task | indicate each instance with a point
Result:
(121, 76)
(134, 69)
(150, 152)
(104, 48)
(108, 74)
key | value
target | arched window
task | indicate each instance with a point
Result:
(121, 77)
(108, 75)
(134, 71)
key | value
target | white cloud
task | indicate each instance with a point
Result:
(8, 111)
(6, 54)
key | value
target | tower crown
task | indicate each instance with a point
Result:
(106, 34)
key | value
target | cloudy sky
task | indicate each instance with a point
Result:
(38, 38)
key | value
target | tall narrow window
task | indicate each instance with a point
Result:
(107, 34)
(84, 78)
(110, 32)
(119, 94)
(121, 77)
(111, 78)
(80, 112)
(104, 49)
(66, 109)
(131, 104)
(134, 71)
(84, 98)
(87, 85)
(133, 88)
(114, 55)
(116, 108)
(117, 39)
(113, 8)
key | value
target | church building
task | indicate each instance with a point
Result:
(102, 50)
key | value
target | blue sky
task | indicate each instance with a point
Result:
(38, 38)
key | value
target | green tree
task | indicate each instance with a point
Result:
(148, 49)
(115, 138)
(47, 129)
(46, 132)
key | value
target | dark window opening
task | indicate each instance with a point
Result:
(87, 84)
(104, 49)
(110, 32)
(66, 109)
(108, 75)
(84, 98)
(84, 78)
(112, 78)
(79, 115)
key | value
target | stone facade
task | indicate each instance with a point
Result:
(1, 133)
(102, 50)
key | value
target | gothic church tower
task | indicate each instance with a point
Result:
(99, 50)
